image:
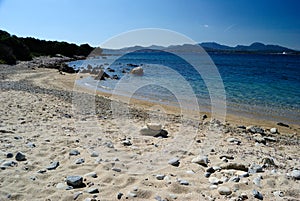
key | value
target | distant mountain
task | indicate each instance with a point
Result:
(253, 48)
(211, 47)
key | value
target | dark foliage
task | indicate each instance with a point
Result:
(13, 48)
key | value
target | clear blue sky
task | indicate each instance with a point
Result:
(228, 22)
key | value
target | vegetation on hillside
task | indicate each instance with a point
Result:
(13, 48)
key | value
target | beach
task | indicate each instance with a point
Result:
(57, 145)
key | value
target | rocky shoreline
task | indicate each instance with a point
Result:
(51, 151)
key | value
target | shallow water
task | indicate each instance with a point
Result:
(256, 86)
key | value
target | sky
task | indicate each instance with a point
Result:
(228, 22)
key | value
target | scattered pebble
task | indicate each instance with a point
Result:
(74, 152)
(174, 161)
(257, 195)
(75, 181)
(20, 157)
(224, 190)
(201, 160)
(53, 165)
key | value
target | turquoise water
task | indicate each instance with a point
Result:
(258, 86)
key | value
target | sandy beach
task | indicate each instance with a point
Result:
(57, 145)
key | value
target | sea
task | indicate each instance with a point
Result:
(260, 86)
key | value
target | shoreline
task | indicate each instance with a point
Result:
(114, 159)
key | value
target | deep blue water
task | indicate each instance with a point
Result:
(259, 86)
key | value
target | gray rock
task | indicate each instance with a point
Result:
(126, 143)
(257, 195)
(258, 138)
(92, 190)
(91, 174)
(53, 165)
(6, 164)
(201, 160)
(94, 154)
(214, 180)
(273, 130)
(255, 129)
(278, 193)
(79, 161)
(76, 195)
(74, 152)
(154, 126)
(20, 157)
(119, 196)
(160, 176)
(295, 174)
(9, 155)
(116, 169)
(62, 186)
(132, 195)
(174, 161)
(267, 162)
(75, 181)
(234, 179)
(149, 132)
(207, 174)
(31, 144)
(254, 168)
(42, 171)
(233, 140)
(224, 190)
(183, 182)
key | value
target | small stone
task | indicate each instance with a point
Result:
(160, 176)
(61, 186)
(255, 129)
(74, 152)
(295, 174)
(207, 174)
(254, 168)
(233, 140)
(133, 195)
(6, 164)
(173, 196)
(210, 170)
(183, 182)
(201, 160)
(79, 161)
(116, 169)
(242, 173)
(224, 190)
(20, 157)
(126, 143)
(149, 132)
(278, 194)
(9, 155)
(94, 154)
(273, 130)
(174, 161)
(31, 144)
(234, 179)
(282, 124)
(42, 171)
(257, 195)
(76, 195)
(213, 187)
(53, 165)
(268, 162)
(75, 181)
(213, 180)
(92, 190)
(154, 126)
(91, 174)
(119, 196)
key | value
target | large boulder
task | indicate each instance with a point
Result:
(101, 75)
(137, 71)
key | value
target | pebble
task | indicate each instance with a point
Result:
(74, 152)
(91, 174)
(154, 126)
(234, 140)
(9, 155)
(94, 154)
(224, 190)
(126, 143)
(20, 157)
(283, 124)
(79, 161)
(255, 129)
(235, 166)
(119, 196)
(31, 144)
(214, 180)
(160, 176)
(116, 169)
(183, 182)
(234, 179)
(133, 195)
(76, 195)
(92, 190)
(295, 174)
(6, 164)
(53, 165)
(174, 161)
(201, 160)
(254, 168)
(273, 130)
(257, 195)
(75, 181)
(212, 187)
(278, 194)
(61, 186)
